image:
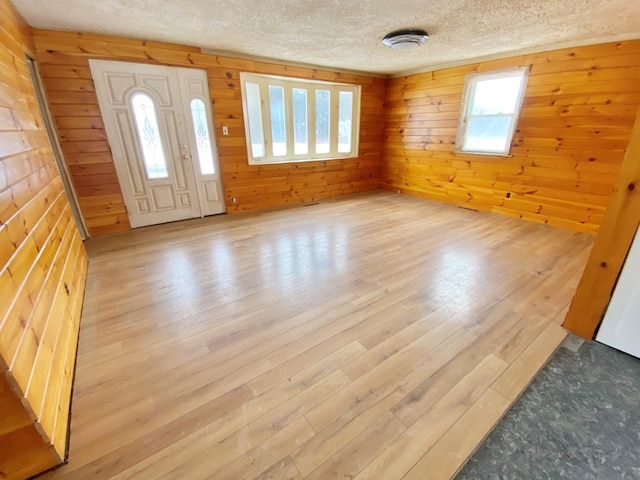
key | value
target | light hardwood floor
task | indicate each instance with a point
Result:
(374, 336)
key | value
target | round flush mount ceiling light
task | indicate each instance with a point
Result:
(405, 39)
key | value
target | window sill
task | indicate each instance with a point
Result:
(272, 161)
(486, 154)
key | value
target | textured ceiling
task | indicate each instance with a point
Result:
(346, 34)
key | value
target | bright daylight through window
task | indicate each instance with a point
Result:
(144, 112)
(490, 108)
(295, 120)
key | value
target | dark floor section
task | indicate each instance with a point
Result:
(579, 420)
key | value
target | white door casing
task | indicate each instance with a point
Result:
(176, 193)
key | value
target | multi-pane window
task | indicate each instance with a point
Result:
(292, 120)
(490, 108)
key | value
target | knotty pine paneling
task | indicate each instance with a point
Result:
(574, 127)
(611, 247)
(42, 272)
(22, 451)
(63, 58)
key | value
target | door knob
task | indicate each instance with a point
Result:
(186, 156)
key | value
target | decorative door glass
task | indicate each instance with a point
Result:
(203, 142)
(144, 112)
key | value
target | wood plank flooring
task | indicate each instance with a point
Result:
(372, 336)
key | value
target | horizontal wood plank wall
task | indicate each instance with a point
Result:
(42, 272)
(63, 58)
(574, 127)
(22, 451)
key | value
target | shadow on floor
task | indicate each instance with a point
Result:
(579, 420)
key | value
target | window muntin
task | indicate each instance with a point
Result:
(490, 108)
(144, 112)
(293, 120)
(203, 141)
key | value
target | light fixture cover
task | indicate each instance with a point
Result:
(405, 39)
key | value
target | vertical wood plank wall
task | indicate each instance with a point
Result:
(63, 58)
(574, 127)
(42, 272)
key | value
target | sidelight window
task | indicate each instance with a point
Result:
(203, 141)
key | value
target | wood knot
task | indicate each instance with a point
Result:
(631, 186)
(603, 264)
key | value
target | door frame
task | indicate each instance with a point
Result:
(181, 107)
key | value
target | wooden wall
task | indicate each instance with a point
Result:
(611, 247)
(575, 124)
(42, 271)
(64, 58)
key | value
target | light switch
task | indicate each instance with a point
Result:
(225, 130)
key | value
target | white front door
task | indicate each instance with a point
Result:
(621, 324)
(158, 121)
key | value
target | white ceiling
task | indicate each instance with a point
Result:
(346, 34)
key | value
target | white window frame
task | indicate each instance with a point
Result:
(470, 83)
(264, 81)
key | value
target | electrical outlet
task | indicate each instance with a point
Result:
(234, 200)
(225, 130)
